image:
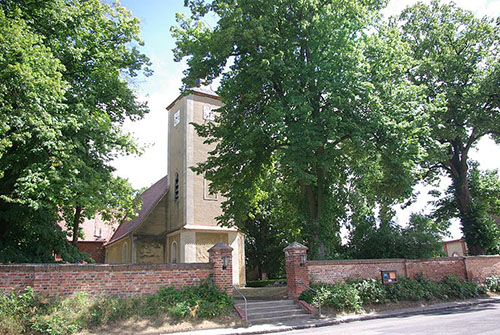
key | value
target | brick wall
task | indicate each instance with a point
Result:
(117, 279)
(467, 268)
(94, 248)
(332, 271)
(436, 268)
(480, 267)
(476, 268)
(101, 279)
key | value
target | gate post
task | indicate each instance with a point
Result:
(220, 256)
(296, 269)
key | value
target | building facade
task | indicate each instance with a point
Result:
(177, 221)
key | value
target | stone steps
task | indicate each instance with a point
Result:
(273, 311)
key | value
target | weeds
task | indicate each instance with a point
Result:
(353, 295)
(27, 313)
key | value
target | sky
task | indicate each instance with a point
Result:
(159, 90)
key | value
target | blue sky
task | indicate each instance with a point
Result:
(159, 90)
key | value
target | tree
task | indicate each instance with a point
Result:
(309, 94)
(269, 223)
(66, 110)
(484, 189)
(422, 238)
(457, 60)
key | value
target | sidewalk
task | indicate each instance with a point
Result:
(273, 328)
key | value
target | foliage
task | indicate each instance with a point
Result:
(422, 238)
(264, 283)
(65, 69)
(310, 97)
(457, 61)
(484, 189)
(353, 295)
(27, 313)
(269, 226)
(493, 283)
(30, 234)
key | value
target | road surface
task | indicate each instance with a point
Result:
(471, 320)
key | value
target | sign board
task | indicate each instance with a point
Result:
(389, 277)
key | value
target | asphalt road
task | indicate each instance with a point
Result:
(479, 319)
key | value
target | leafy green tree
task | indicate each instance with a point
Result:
(457, 61)
(422, 238)
(484, 189)
(66, 70)
(269, 224)
(310, 94)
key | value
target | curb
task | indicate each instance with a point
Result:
(324, 323)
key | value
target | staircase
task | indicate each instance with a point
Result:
(273, 311)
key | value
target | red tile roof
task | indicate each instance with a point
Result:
(150, 199)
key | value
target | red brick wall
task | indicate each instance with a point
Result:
(436, 268)
(223, 277)
(94, 248)
(101, 279)
(296, 271)
(480, 267)
(332, 271)
(470, 268)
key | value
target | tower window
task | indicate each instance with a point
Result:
(208, 113)
(176, 187)
(177, 118)
(207, 195)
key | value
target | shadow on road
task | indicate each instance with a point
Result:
(456, 310)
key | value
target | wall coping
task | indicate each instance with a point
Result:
(396, 260)
(436, 259)
(102, 267)
(482, 257)
(356, 261)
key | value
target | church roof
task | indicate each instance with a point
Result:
(150, 199)
(204, 91)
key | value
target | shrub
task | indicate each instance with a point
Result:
(352, 295)
(371, 291)
(27, 313)
(492, 284)
(456, 288)
(264, 283)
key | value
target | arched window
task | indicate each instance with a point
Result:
(173, 252)
(176, 187)
(125, 252)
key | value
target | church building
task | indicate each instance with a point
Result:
(177, 220)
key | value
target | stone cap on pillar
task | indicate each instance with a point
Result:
(295, 245)
(220, 246)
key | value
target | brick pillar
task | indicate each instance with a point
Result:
(223, 277)
(296, 269)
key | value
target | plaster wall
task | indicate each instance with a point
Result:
(170, 239)
(205, 208)
(205, 241)
(114, 252)
(454, 247)
(177, 165)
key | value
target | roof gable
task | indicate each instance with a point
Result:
(150, 198)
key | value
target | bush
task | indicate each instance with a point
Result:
(456, 288)
(492, 284)
(27, 313)
(352, 295)
(371, 291)
(264, 283)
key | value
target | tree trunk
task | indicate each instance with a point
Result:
(76, 225)
(459, 169)
(314, 207)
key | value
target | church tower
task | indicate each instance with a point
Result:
(191, 209)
